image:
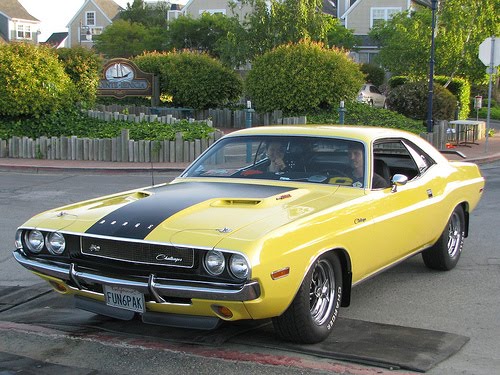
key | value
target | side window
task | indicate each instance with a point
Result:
(422, 160)
(400, 157)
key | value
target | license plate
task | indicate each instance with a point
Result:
(124, 298)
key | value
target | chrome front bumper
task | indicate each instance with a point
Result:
(156, 287)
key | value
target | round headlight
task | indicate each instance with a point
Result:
(215, 262)
(239, 266)
(56, 243)
(34, 241)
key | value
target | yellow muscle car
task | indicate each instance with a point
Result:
(269, 222)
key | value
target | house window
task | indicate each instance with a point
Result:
(24, 32)
(90, 18)
(379, 15)
(366, 57)
(213, 11)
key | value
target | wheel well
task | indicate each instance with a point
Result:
(345, 261)
(465, 207)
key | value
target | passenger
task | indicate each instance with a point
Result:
(357, 163)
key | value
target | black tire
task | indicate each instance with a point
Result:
(311, 315)
(444, 254)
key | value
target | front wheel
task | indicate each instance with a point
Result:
(314, 310)
(444, 254)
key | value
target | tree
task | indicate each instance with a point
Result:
(216, 34)
(148, 14)
(274, 22)
(125, 39)
(302, 77)
(462, 25)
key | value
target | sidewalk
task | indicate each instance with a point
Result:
(476, 153)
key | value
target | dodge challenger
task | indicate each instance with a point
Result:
(269, 223)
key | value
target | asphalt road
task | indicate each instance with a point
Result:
(464, 301)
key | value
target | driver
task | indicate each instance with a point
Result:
(276, 152)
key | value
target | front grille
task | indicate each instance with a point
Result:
(138, 252)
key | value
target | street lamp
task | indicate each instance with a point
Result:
(431, 69)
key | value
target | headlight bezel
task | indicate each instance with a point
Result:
(240, 258)
(211, 256)
(35, 249)
(49, 245)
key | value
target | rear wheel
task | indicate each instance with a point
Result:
(314, 310)
(444, 254)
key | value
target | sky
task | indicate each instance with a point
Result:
(56, 14)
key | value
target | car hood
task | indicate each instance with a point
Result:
(193, 212)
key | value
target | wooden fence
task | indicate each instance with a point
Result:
(118, 149)
(124, 149)
(220, 118)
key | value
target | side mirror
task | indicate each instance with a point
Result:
(398, 180)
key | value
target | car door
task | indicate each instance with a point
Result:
(403, 220)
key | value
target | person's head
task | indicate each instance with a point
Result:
(275, 150)
(355, 153)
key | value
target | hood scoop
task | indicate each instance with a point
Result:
(236, 202)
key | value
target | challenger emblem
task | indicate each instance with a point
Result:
(94, 248)
(166, 258)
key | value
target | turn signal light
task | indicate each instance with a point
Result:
(222, 311)
(61, 288)
(278, 274)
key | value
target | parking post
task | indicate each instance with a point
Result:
(342, 111)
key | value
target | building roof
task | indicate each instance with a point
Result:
(56, 39)
(14, 9)
(109, 7)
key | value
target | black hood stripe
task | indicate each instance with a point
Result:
(137, 219)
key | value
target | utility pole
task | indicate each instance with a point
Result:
(431, 69)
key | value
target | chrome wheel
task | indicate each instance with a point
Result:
(444, 254)
(322, 292)
(454, 235)
(315, 308)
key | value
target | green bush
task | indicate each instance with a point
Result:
(83, 67)
(410, 99)
(494, 113)
(69, 123)
(32, 81)
(303, 77)
(362, 114)
(191, 79)
(461, 88)
(396, 81)
(374, 74)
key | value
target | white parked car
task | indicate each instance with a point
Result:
(372, 96)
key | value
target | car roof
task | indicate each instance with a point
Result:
(362, 133)
(366, 134)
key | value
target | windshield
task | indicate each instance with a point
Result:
(285, 158)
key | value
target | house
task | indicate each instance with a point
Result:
(90, 20)
(56, 40)
(16, 24)
(357, 15)
(195, 8)
(361, 15)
